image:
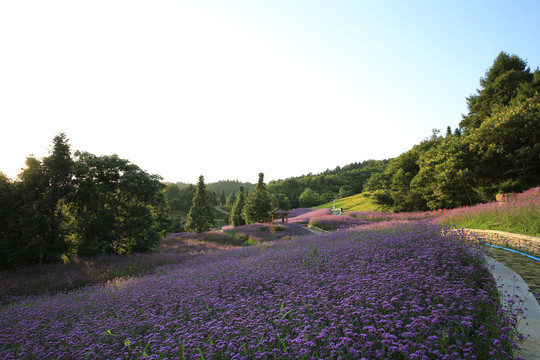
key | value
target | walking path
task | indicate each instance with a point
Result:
(510, 282)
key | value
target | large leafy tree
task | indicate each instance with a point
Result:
(498, 87)
(507, 146)
(65, 206)
(258, 204)
(116, 206)
(200, 217)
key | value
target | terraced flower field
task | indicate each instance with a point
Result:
(406, 291)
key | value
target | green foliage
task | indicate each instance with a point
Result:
(330, 184)
(63, 207)
(222, 198)
(236, 218)
(507, 146)
(309, 198)
(229, 186)
(258, 204)
(231, 199)
(499, 86)
(200, 216)
(115, 207)
(496, 150)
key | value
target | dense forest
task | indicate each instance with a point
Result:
(68, 205)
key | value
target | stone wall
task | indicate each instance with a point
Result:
(525, 243)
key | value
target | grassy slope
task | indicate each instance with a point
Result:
(358, 202)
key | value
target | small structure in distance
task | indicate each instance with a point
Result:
(279, 213)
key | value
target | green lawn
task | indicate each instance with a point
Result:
(358, 202)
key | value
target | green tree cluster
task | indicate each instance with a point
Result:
(326, 186)
(495, 149)
(67, 206)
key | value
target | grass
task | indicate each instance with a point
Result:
(358, 202)
(521, 215)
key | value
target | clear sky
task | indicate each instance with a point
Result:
(228, 89)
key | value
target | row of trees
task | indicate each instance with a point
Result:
(310, 190)
(66, 206)
(495, 149)
(246, 210)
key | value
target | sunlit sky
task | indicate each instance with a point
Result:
(228, 89)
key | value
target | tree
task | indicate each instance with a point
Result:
(222, 198)
(309, 198)
(236, 217)
(232, 199)
(257, 205)
(507, 147)
(498, 87)
(9, 229)
(117, 206)
(200, 217)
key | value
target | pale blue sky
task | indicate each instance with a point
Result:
(184, 88)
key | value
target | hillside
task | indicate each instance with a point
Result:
(358, 202)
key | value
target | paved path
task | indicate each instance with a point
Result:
(530, 325)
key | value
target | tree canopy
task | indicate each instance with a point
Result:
(66, 206)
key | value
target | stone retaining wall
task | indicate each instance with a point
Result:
(525, 243)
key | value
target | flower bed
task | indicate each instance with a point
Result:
(305, 216)
(336, 222)
(257, 232)
(409, 293)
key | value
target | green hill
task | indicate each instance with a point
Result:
(358, 202)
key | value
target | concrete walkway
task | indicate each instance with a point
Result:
(529, 326)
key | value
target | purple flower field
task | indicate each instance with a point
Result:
(401, 292)
(257, 232)
(336, 222)
(304, 216)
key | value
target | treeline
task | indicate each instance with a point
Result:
(71, 205)
(221, 193)
(311, 190)
(495, 149)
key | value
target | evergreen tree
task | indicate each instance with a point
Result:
(258, 204)
(212, 198)
(200, 217)
(222, 198)
(232, 199)
(236, 217)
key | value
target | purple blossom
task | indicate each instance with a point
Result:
(401, 291)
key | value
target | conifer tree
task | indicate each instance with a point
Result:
(222, 198)
(257, 204)
(232, 199)
(236, 213)
(200, 217)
